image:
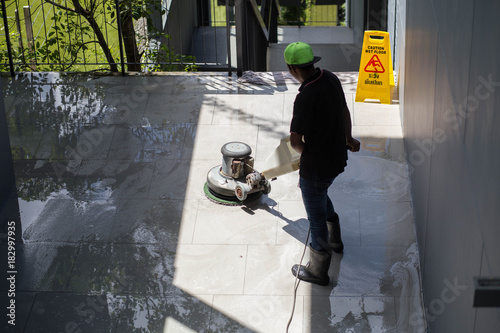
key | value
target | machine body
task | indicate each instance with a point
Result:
(236, 177)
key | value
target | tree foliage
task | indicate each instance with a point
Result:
(295, 15)
(86, 32)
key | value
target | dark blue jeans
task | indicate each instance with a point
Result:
(319, 209)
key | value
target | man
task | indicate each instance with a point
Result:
(321, 133)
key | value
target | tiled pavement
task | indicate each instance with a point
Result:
(119, 236)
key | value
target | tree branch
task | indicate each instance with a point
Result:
(73, 60)
(61, 6)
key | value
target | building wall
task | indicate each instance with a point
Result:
(451, 126)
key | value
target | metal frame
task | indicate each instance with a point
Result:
(254, 31)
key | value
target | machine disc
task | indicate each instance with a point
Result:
(229, 200)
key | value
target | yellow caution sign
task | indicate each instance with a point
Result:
(375, 69)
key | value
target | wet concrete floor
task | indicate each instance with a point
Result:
(119, 236)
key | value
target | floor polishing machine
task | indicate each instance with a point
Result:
(236, 182)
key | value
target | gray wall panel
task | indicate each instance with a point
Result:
(454, 20)
(459, 224)
(487, 320)
(419, 100)
(453, 240)
(180, 25)
(482, 122)
(399, 56)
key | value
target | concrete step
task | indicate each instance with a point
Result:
(334, 57)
